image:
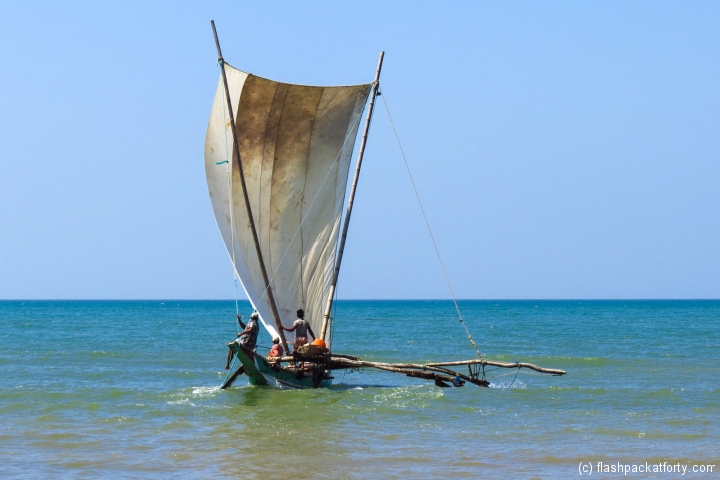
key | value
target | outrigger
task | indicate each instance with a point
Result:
(277, 161)
(319, 364)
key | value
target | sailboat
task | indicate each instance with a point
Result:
(277, 162)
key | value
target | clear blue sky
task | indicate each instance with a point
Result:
(562, 149)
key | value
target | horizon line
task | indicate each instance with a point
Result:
(360, 299)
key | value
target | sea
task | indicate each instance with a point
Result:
(129, 389)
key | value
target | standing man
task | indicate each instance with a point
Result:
(301, 327)
(247, 339)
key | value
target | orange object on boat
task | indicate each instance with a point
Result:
(319, 342)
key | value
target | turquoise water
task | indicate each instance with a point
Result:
(129, 389)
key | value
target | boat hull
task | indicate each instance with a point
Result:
(262, 372)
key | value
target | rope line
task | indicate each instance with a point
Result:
(230, 370)
(230, 198)
(516, 374)
(432, 237)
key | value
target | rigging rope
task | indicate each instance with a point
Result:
(516, 374)
(230, 198)
(432, 237)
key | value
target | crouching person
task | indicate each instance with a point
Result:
(277, 350)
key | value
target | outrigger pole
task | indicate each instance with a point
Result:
(439, 372)
(236, 151)
(361, 152)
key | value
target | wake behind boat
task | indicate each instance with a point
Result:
(277, 161)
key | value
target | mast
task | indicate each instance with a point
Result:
(236, 150)
(361, 152)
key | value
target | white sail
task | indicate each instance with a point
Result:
(295, 144)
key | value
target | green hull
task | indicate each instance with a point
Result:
(262, 372)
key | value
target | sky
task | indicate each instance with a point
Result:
(562, 150)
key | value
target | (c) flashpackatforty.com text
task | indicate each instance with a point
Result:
(588, 468)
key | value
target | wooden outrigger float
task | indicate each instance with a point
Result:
(312, 368)
(277, 160)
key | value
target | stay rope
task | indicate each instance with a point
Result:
(232, 211)
(427, 223)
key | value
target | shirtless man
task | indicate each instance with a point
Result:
(277, 349)
(301, 327)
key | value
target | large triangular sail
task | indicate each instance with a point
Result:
(295, 144)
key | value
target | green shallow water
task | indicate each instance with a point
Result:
(129, 389)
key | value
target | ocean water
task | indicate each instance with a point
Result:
(129, 389)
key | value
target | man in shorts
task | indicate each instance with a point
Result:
(247, 339)
(301, 327)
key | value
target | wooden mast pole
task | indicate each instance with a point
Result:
(361, 152)
(236, 151)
